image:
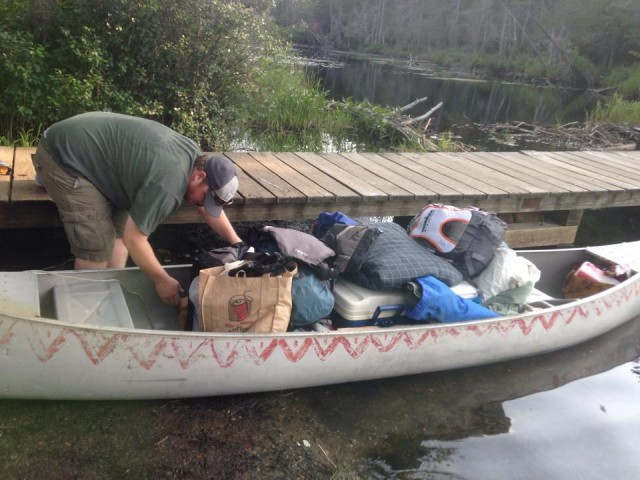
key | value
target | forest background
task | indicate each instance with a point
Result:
(225, 71)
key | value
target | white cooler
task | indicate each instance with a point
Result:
(357, 306)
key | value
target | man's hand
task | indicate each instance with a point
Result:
(168, 290)
(142, 254)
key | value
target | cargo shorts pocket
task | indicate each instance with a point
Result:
(86, 234)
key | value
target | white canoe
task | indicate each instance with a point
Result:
(49, 358)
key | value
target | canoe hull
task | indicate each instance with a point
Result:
(47, 359)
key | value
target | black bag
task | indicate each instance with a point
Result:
(467, 236)
(352, 244)
(395, 259)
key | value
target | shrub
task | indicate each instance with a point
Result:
(185, 64)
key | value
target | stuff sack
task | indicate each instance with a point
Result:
(352, 244)
(395, 259)
(506, 271)
(303, 247)
(326, 220)
(437, 302)
(467, 236)
(311, 297)
(244, 304)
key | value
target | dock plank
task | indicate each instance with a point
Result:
(507, 175)
(311, 191)
(549, 176)
(510, 163)
(407, 189)
(410, 175)
(6, 156)
(633, 155)
(283, 191)
(619, 166)
(574, 175)
(354, 167)
(442, 169)
(604, 170)
(475, 175)
(447, 187)
(24, 187)
(365, 190)
(249, 191)
(325, 182)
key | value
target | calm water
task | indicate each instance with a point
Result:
(465, 102)
(572, 414)
(568, 415)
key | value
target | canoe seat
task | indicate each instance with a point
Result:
(539, 299)
(100, 303)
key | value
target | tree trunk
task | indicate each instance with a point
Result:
(42, 12)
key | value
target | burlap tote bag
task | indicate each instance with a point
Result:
(244, 304)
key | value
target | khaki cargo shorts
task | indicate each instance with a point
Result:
(90, 221)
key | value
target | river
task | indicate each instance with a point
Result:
(466, 101)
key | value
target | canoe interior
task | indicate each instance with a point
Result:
(147, 312)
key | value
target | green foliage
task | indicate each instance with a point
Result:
(627, 81)
(184, 63)
(289, 111)
(616, 110)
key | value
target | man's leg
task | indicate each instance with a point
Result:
(85, 212)
(81, 264)
(119, 255)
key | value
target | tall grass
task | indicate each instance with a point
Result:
(23, 138)
(616, 110)
(290, 111)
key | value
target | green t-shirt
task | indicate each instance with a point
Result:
(139, 165)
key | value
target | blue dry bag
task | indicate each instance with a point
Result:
(439, 303)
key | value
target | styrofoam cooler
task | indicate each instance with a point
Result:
(357, 306)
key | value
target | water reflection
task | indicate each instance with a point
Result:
(464, 101)
(499, 421)
(587, 429)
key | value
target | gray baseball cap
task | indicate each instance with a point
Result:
(223, 184)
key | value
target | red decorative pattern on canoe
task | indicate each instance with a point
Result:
(47, 341)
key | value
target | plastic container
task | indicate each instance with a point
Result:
(92, 303)
(357, 306)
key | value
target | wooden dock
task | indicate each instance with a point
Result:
(540, 194)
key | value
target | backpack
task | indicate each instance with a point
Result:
(326, 220)
(467, 236)
(352, 244)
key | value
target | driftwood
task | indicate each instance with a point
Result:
(409, 106)
(424, 116)
(597, 136)
(398, 120)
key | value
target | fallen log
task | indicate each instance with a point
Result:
(423, 117)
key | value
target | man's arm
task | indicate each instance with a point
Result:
(142, 254)
(221, 225)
